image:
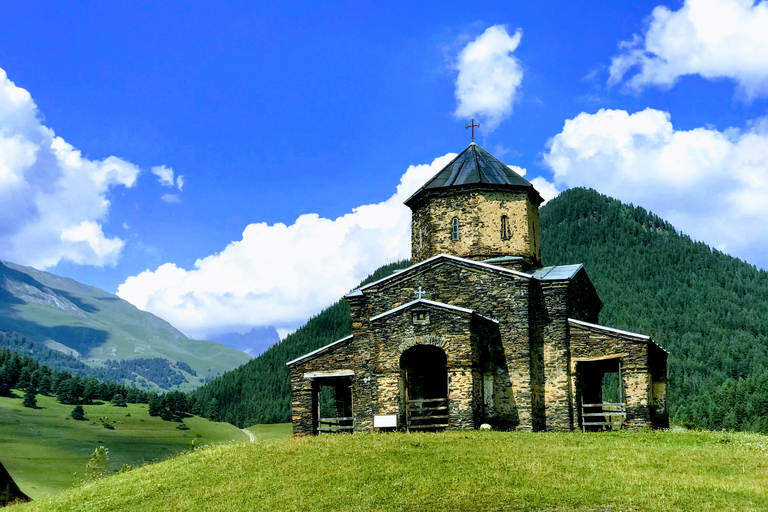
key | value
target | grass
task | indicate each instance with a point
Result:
(464, 471)
(274, 431)
(43, 448)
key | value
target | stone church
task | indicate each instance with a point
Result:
(477, 331)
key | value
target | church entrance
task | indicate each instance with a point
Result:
(425, 375)
(333, 405)
(601, 389)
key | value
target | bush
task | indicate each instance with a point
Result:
(78, 413)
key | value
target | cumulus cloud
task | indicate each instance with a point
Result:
(282, 274)
(711, 38)
(489, 77)
(165, 177)
(547, 190)
(52, 200)
(710, 184)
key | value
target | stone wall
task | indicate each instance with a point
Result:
(595, 343)
(495, 293)
(343, 358)
(555, 355)
(512, 359)
(479, 214)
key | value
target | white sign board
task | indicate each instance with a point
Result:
(385, 421)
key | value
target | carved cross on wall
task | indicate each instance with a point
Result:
(420, 292)
(473, 126)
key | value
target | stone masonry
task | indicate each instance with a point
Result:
(476, 331)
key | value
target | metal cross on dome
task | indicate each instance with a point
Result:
(473, 126)
(420, 292)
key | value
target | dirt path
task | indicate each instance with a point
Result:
(249, 434)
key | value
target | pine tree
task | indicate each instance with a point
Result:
(78, 413)
(212, 411)
(30, 397)
(5, 381)
(155, 406)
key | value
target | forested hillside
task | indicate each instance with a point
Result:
(140, 373)
(708, 309)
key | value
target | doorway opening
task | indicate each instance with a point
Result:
(425, 373)
(601, 390)
(333, 405)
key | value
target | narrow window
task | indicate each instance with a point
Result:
(506, 234)
(455, 230)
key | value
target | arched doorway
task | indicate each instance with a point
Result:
(425, 375)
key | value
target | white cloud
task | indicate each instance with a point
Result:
(170, 198)
(489, 77)
(546, 189)
(165, 177)
(52, 199)
(711, 185)
(712, 38)
(282, 274)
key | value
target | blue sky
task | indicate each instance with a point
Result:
(298, 129)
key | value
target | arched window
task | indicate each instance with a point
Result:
(506, 233)
(455, 229)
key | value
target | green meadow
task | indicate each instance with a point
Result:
(456, 471)
(43, 448)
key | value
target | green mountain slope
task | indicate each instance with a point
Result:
(91, 323)
(708, 309)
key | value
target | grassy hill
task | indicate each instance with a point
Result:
(90, 323)
(463, 471)
(708, 309)
(43, 448)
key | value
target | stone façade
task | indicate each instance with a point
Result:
(477, 321)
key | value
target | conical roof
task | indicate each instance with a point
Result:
(471, 168)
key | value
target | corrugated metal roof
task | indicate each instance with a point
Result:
(557, 273)
(474, 166)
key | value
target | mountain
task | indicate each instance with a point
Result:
(253, 342)
(708, 309)
(95, 326)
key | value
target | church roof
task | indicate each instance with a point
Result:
(472, 167)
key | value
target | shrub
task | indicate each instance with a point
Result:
(78, 413)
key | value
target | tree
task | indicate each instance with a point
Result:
(155, 406)
(118, 400)
(98, 465)
(30, 397)
(5, 381)
(78, 413)
(212, 411)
